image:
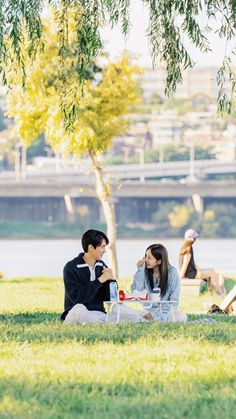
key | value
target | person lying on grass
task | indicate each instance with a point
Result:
(154, 270)
(86, 281)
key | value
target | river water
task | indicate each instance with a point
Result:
(24, 258)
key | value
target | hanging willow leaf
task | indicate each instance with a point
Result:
(171, 24)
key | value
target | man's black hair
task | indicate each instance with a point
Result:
(93, 237)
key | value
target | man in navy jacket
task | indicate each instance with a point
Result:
(86, 281)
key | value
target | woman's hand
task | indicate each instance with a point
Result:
(141, 262)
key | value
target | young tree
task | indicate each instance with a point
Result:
(99, 117)
(172, 23)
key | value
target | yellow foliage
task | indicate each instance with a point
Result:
(209, 215)
(180, 216)
(83, 210)
(100, 109)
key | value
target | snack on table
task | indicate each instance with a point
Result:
(135, 295)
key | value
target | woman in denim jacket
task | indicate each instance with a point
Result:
(154, 270)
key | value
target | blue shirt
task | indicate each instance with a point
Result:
(140, 282)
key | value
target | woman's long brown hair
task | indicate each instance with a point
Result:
(159, 252)
(186, 248)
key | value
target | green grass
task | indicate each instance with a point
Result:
(49, 370)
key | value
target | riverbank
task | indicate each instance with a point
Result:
(47, 257)
(36, 231)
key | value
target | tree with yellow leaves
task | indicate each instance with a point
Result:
(100, 112)
(174, 25)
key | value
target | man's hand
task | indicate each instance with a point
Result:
(140, 262)
(106, 275)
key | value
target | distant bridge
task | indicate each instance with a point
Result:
(47, 198)
(200, 169)
(133, 180)
(180, 169)
(75, 186)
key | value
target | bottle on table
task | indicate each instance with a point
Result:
(155, 294)
(113, 291)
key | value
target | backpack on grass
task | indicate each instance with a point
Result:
(214, 309)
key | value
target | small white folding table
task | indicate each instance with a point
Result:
(157, 305)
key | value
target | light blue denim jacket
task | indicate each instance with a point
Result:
(140, 282)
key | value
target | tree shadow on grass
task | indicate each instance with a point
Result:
(29, 317)
(35, 317)
(61, 400)
(47, 327)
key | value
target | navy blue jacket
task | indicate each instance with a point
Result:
(80, 289)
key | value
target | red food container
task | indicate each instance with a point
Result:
(121, 295)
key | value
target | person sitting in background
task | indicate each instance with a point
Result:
(154, 270)
(188, 267)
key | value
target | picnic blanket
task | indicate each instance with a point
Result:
(203, 320)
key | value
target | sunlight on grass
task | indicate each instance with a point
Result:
(49, 370)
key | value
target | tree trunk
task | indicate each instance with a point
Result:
(103, 193)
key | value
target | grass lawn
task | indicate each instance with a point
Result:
(49, 370)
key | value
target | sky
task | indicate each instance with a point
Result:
(137, 42)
